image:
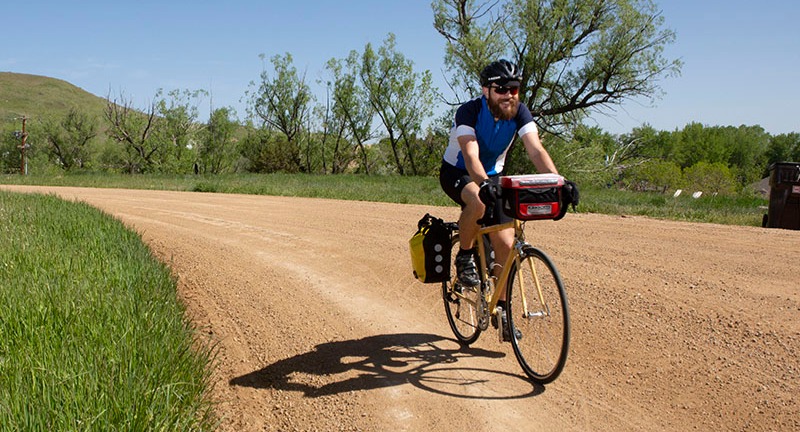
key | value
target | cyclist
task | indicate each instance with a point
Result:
(481, 136)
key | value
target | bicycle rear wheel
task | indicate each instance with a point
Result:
(542, 320)
(460, 304)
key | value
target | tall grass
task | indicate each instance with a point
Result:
(740, 210)
(92, 336)
(728, 210)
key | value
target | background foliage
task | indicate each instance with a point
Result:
(377, 118)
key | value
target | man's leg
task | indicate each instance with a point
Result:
(467, 231)
(502, 242)
(472, 211)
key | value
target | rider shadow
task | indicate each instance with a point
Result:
(377, 362)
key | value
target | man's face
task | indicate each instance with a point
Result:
(503, 101)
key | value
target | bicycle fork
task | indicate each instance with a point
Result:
(544, 310)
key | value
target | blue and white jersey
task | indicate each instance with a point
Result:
(494, 137)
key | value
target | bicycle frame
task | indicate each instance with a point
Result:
(536, 318)
(498, 283)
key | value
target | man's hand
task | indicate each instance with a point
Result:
(572, 196)
(488, 192)
(569, 195)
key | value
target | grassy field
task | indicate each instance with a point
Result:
(92, 336)
(37, 96)
(417, 190)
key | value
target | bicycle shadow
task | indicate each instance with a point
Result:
(380, 361)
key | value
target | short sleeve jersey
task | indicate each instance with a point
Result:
(494, 138)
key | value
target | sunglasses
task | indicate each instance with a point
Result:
(503, 90)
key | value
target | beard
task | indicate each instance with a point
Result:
(501, 113)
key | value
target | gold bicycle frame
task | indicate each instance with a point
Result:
(500, 281)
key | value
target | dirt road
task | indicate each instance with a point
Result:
(320, 325)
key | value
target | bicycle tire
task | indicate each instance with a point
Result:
(461, 315)
(545, 330)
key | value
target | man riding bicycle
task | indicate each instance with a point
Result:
(480, 139)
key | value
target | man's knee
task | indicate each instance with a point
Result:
(474, 210)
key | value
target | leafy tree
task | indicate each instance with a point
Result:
(696, 143)
(283, 102)
(9, 149)
(741, 149)
(68, 138)
(648, 143)
(351, 105)
(782, 148)
(215, 151)
(265, 152)
(575, 55)
(654, 175)
(323, 112)
(401, 98)
(336, 150)
(177, 128)
(579, 155)
(431, 147)
(713, 177)
(748, 146)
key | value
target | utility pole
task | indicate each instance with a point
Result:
(23, 164)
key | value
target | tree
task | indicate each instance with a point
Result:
(283, 102)
(400, 97)
(134, 130)
(264, 151)
(575, 55)
(9, 149)
(579, 155)
(782, 148)
(710, 177)
(748, 146)
(654, 175)
(696, 143)
(649, 143)
(215, 151)
(68, 138)
(432, 146)
(351, 104)
(177, 128)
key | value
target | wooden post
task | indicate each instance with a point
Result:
(22, 164)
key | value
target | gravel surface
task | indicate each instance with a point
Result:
(320, 326)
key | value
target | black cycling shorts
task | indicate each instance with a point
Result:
(453, 180)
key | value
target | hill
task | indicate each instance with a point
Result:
(37, 96)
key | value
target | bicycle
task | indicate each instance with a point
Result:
(535, 297)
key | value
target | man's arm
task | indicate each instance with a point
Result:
(537, 153)
(469, 149)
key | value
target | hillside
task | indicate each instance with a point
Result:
(38, 97)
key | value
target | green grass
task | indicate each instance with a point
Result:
(739, 210)
(92, 336)
(38, 96)
(417, 190)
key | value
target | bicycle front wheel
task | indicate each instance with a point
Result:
(460, 304)
(538, 316)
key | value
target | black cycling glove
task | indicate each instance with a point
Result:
(488, 192)
(569, 195)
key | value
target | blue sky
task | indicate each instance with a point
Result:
(741, 58)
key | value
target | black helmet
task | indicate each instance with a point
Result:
(501, 72)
